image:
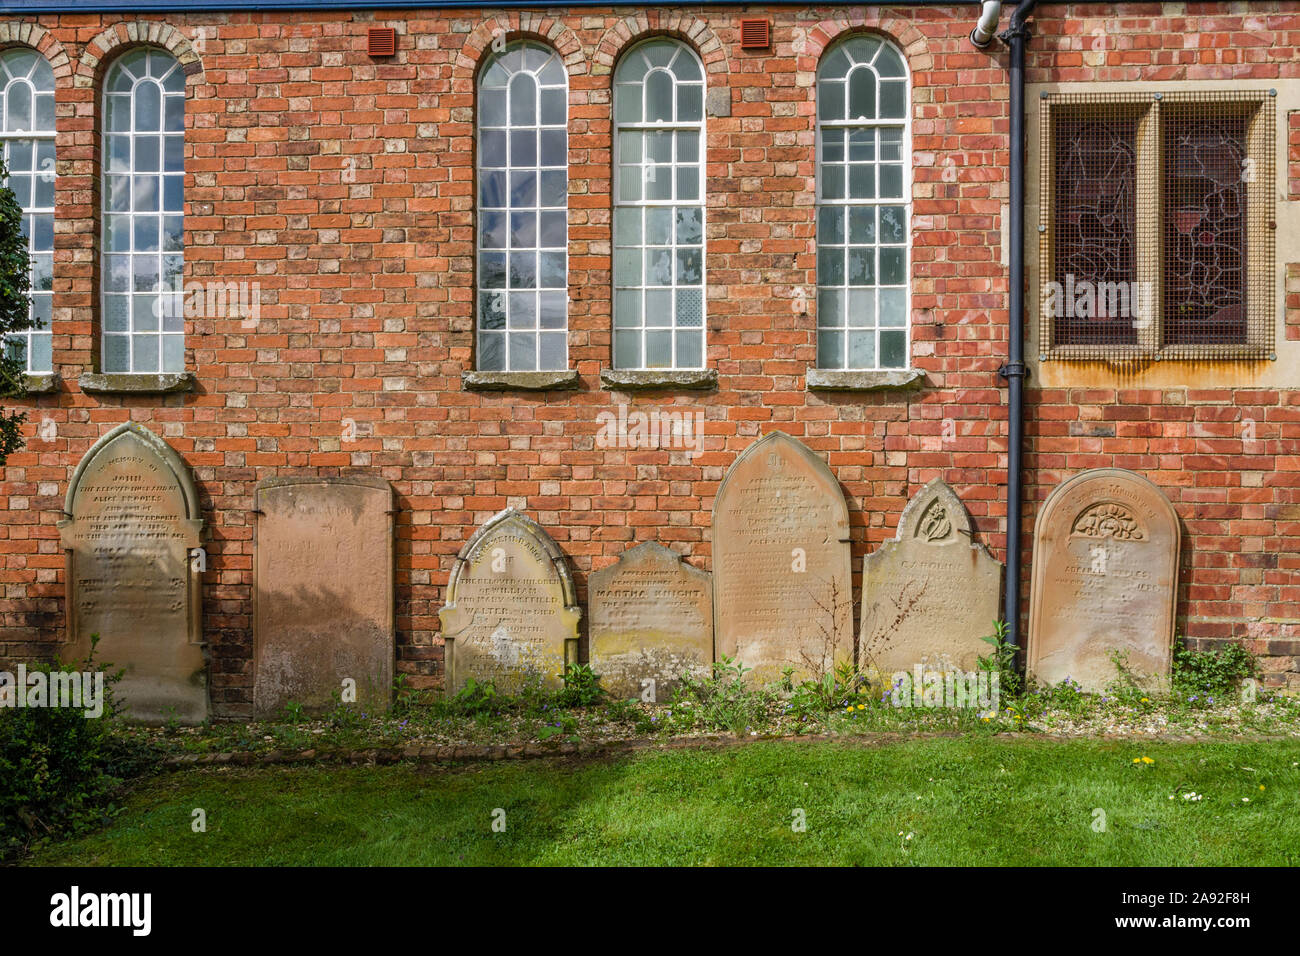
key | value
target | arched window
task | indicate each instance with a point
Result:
(523, 184)
(142, 317)
(27, 137)
(863, 203)
(659, 208)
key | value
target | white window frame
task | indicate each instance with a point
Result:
(877, 123)
(37, 137)
(168, 305)
(642, 204)
(505, 297)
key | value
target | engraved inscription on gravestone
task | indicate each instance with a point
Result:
(323, 593)
(132, 518)
(1104, 581)
(651, 623)
(931, 595)
(782, 585)
(512, 612)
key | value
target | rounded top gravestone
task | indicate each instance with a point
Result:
(931, 594)
(782, 583)
(512, 611)
(1105, 580)
(132, 519)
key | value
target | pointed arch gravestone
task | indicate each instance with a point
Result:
(323, 593)
(651, 623)
(1105, 580)
(931, 595)
(132, 520)
(782, 582)
(512, 611)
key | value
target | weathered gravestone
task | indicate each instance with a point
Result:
(782, 585)
(323, 593)
(1105, 577)
(651, 623)
(511, 614)
(132, 521)
(931, 595)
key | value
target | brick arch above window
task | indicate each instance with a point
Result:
(105, 47)
(819, 37)
(42, 41)
(521, 26)
(631, 30)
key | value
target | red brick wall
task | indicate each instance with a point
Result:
(344, 186)
(1225, 452)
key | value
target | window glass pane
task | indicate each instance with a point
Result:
(143, 250)
(1205, 232)
(523, 194)
(659, 214)
(862, 259)
(1094, 194)
(862, 94)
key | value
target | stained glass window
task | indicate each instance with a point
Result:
(1096, 169)
(1205, 230)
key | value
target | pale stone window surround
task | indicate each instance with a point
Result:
(1277, 368)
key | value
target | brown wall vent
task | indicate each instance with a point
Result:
(755, 35)
(381, 41)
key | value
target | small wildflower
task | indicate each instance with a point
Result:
(1147, 760)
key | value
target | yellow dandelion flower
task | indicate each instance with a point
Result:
(1147, 760)
(1137, 759)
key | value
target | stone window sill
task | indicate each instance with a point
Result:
(43, 383)
(839, 380)
(519, 381)
(633, 380)
(137, 383)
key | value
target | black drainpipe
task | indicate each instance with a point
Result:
(1017, 38)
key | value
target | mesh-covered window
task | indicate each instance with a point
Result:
(1157, 238)
(27, 138)
(862, 206)
(143, 318)
(659, 208)
(1204, 197)
(523, 182)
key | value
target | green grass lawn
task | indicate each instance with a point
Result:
(963, 801)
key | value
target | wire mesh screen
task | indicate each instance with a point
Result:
(1157, 228)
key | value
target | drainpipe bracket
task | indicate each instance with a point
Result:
(1014, 369)
(1015, 31)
